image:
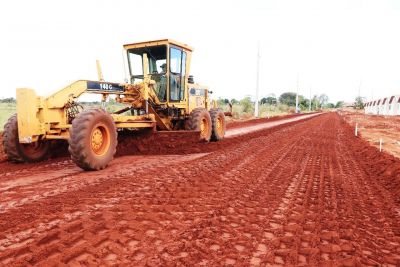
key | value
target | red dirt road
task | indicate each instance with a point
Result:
(304, 193)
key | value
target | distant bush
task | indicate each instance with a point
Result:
(247, 105)
(330, 105)
(339, 104)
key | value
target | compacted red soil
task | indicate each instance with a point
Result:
(303, 193)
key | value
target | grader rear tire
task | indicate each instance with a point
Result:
(200, 120)
(218, 124)
(18, 152)
(93, 139)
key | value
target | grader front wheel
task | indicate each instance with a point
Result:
(93, 139)
(18, 152)
(200, 120)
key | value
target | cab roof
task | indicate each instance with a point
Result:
(158, 42)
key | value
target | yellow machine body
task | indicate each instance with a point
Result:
(160, 95)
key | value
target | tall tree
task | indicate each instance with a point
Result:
(359, 102)
(288, 98)
(234, 101)
(270, 100)
(339, 104)
(223, 101)
(323, 99)
(315, 104)
(304, 102)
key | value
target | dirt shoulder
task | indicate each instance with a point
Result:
(372, 128)
(233, 124)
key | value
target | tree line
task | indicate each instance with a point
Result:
(7, 100)
(289, 99)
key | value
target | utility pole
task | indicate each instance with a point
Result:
(309, 106)
(358, 99)
(256, 113)
(297, 94)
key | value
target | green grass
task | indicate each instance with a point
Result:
(6, 110)
(274, 110)
(240, 111)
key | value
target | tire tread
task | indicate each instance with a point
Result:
(80, 130)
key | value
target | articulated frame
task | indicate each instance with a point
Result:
(46, 118)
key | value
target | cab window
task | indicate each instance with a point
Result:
(157, 67)
(177, 74)
(136, 64)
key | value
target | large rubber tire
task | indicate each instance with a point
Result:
(218, 124)
(17, 152)
(200, 120)
(93, 139)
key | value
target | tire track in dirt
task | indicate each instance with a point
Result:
(48, 183)
(294, 196)
(239, 157)
(245, 204)
(49, 175)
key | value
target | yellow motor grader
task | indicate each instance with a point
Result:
(160, 96)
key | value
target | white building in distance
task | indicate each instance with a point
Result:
(388, 106)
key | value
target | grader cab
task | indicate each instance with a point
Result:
(159, 96)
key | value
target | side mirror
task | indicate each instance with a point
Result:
(191, 79)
